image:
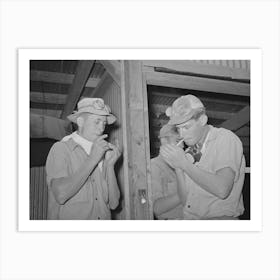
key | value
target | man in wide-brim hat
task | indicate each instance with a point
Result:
(80, 168)
(213, 167)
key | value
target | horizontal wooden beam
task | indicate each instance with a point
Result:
(160, 109)
(189, 66)
(113, 67)
(82, 73)
(208, 99)
(46, 106)
(46, 112)
(42, 97)
(238, 120)
(42, 126)
(59, 78)
(197, 83)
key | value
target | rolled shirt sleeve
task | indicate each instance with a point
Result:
(229, 153)
(57, 163)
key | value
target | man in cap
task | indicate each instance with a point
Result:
(167, 204)
(214, 173)
(80, 168)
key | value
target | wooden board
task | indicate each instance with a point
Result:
(59, 78)
(238, 120)
(197, 83)
(189, 66)
(136, 132)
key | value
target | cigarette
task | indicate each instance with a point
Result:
(180, 142)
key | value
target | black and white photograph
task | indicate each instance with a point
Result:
(140, 140)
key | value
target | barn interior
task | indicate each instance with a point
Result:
(57, 85)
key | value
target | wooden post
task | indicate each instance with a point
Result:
(137, 170)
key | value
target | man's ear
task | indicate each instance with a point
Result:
(203, 119)
(80, 121)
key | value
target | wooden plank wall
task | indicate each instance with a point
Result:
(38, 193)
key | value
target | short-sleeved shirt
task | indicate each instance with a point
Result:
(164, 183)
(92, 201)
(222, 149)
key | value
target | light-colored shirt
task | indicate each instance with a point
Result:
(84, 143)
(222, 149)
(92, 200)
(164, 183)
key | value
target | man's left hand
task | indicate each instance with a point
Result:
(173, 155)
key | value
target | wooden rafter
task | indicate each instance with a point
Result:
(238, 120)
(46, 106)
(60, 78)
(82, 73)
(189, 66)
(160, 109)
(42, 97)
(113, 67)
(197, 83)
(106, 78)
(42, 126)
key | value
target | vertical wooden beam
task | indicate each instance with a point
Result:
(136, 140)
(126, 140)
(82, 73)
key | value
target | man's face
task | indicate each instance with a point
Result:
(93, 126)
(191, 131)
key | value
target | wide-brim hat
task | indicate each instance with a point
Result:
(94, 106)
(183, 109)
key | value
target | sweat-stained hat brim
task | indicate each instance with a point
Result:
(73, 117)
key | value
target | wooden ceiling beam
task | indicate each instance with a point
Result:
(197, 83)
(46, 106)
(113, 67)
(188, 66)
(106, 78)
(174, 95)
(46, 112)
(42, 126)
(82, 73)
(238, 120)
(160, 109)
(59, 78)
(43, 97)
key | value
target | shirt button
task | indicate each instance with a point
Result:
(189, 206)
(96, 198)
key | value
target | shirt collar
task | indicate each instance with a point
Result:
(212, 133)
(84, 143)
(75, 139)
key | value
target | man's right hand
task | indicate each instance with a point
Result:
(99, 147)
